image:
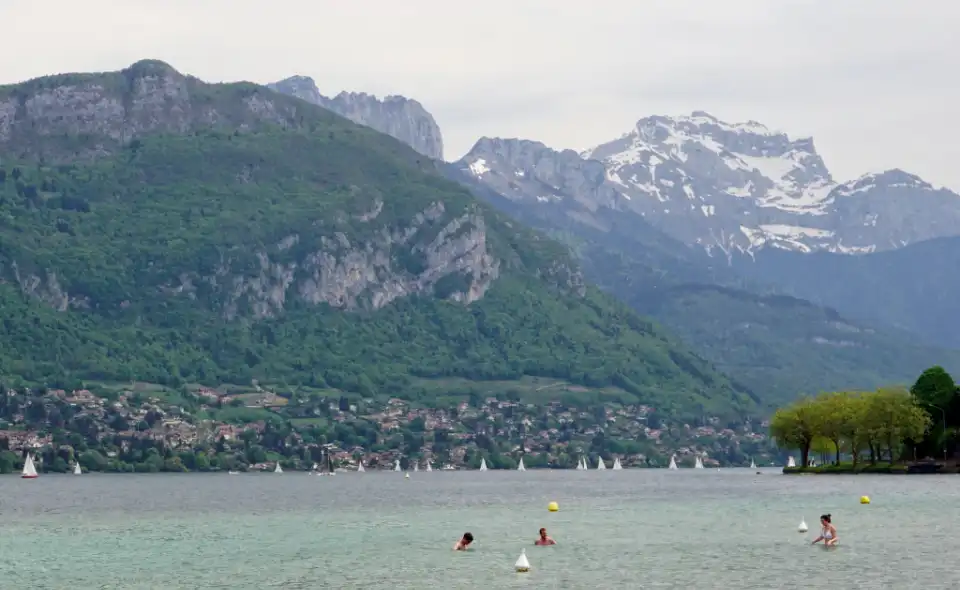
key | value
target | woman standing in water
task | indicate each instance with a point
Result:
(828, 532)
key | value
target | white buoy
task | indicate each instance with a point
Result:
(803, 526)
(522, 564)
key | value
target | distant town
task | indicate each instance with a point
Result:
(145, 428)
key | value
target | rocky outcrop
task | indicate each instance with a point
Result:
(435, 254)
(82, 116)
(402, 118)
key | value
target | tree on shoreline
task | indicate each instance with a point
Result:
(881, 421)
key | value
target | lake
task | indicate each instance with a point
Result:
(641, 528)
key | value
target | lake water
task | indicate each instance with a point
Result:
(684, 529)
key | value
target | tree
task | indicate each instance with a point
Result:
(796, 426)
(835, 415)
(895, 417)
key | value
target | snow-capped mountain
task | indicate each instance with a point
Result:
(727, 187)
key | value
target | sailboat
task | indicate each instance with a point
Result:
(76, 469)
(278, 469)
(360, 468)
(791, 462)
(698, 464)
(315, 468)
(673, 462)
(396, 465)
(429, 468)
(616, 464)
(752, 464)
(483, 464)
(29, 469)
(580, 464)
(520, 467)
(600, 463)
(416, 465)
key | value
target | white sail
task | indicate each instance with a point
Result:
(752, 464)
(278, 469)
(522, 565)
(429, 468)
(673, 462)
(600, 464)
(520, 467)
(360, 468)
(698, 464)
(580, 464)
(791, 462)
(76, 469)
(616, 464)
(416, 465)
(396, 465)
(29, 470)
(483, 464)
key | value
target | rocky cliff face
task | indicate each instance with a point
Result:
(347, 274)
(396, 116)
(81, 116)
(726, 187)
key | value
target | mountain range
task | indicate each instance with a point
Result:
(157, 228)
(739, 239)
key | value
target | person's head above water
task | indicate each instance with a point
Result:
(543, 533)
(467, 538)
(825, 518)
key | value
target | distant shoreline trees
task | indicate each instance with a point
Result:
(878, 423)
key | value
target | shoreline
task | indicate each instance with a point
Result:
(879, 469)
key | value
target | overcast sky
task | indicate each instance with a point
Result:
(874, 82)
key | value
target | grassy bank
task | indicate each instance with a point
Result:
(879, 468)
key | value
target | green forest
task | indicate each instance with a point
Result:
(160, 262)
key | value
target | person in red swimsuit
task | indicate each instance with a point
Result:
(544, 539)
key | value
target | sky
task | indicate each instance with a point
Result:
(873, 82)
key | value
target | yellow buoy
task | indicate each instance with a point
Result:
(553, 507)
(864, 499)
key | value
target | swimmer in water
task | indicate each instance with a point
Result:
(544, 539)
(828, 532)
(464, 542)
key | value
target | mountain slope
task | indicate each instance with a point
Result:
(398, 117)
(914, 288)
(171, 230)
(778, 346)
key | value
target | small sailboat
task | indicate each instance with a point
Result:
(76, 469)
(360, 468)
(483, 464)
(616, 464)
(520, 467)
(600, 463)
(315, 468)
(29, 469)
(580, 464)
(416, 465)
(673, 462)
(791, 462)
(698, 464)
(429, 468)
(752, 464)
(522, 565)
(278, 469)
(803, 526)
(396, 465)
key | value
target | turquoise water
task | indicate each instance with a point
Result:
(626, 529)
